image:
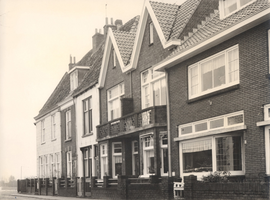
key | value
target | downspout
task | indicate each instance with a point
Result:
(168, 125)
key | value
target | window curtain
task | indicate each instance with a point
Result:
(197, 146)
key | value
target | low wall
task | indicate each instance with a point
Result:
(197, 190)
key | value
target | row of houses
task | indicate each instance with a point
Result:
(179, 90)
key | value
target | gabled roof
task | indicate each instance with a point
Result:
(214, 30)
(61, 91)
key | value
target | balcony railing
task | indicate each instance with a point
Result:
(131, 122)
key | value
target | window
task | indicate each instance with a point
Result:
(135, 158)
(148, 155)
(53, 136)
(269, 50)
(103, 160)
(153, 88)
(116, 159)
(46, 166)
(214, 73)
(224, 121)
(215, 153)
(151, 33)
(228, 7)
(87, 115)
(42, 131)
(52, 166)
(86, 165)
(114, 103)
(41, 169)
(164, 155)
(57, 170)
(74, 80)
(267, 149)
(114, 58)
(68, 124)
(69, 164)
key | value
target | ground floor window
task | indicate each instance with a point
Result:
(135, 158)
(116, 159)
(52, 166)
(69, 164)
(164, 168)
(41, 167)
(148, 155)
(103, 160)
(86, 163)
(216, 153)
(267, 149)
(57, 167)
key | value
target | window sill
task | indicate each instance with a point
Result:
(88, 134)
(43, 143)
(234, 87)
(68, 140)
(53, 139)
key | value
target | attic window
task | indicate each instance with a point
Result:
(74, 80)
(151, 33)
(228, 7)
(114, 58)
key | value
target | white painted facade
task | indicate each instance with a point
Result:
(49, 148)
(89, 139)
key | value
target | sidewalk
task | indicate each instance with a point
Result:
(48, 197)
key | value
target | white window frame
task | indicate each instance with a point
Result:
(114, 58)
(114, 155)
(53, 135)
(239, 7)
(68, 123)
(86, 162)
(69, 164)
(269, 51)
(52, 165)
(133, 155)
(267, 148)
(163, 146)
(152, 78)
(199, 79)
(41, 169)
(117, 98)
(214, 160)
(208, 121)
(151, 33)
(74, 80)
(46, 166)
(103, 157)
(43, 131)
(87, 110)
(58, 165)
(147, 148)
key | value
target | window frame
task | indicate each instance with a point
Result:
(152, 78)
(69, 164)
(90, 116)
(86, 162)
(58, 165)
(43, 131)
(53, 133)
(147, 148)
(198, 65)
(267, 148)
(52, 165)
(41, 169)
(163, 146)
(214, 159)
(133, 155)
(269, 51)
(117, 98)
(103, 156)
(68, 123)
(73, 80)
(114, 155)
(46, 166)
(222, 8)
(114, 57)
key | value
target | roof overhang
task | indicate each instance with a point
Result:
(213, 41)
(78, 67)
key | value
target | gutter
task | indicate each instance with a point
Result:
(168, 126)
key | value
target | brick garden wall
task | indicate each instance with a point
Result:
(252, 93)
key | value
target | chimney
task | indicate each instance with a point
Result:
(118, 23)
(70, 65)
(107, 26)
(97, 39)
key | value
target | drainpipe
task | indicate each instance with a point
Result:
(168, 125)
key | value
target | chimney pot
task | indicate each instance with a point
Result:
(96, 30)
(74, 59)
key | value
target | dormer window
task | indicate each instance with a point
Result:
(228, 7)
(151, 33)
(74, 80)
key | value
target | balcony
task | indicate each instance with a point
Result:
(146, 118)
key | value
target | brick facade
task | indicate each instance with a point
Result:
(252, 93)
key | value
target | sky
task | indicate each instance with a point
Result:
(37, 38)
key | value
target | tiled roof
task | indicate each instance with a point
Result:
(86, 60)
(131, 25)
(58, 95)
(165, 14)
(91, 77)
(125, 42)
(214, 25)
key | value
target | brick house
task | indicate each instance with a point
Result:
(218, 83)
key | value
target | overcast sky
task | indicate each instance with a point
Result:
(36, 40)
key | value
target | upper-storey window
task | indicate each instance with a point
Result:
(68, 124)
(42, 131)
(214, 73)
(153, 88)
(74, 80)
(151, 33)
(53, 136)
(114, 103)
(228, 7)
(87, 115)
